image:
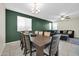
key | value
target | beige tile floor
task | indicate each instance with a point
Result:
(65, 49)
(68, 49)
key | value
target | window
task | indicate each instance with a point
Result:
(24, 24)
(50, 24)
(55, 26)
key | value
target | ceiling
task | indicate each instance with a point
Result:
(48, 11)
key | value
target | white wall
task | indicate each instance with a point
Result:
(2, 27)
(71, 24)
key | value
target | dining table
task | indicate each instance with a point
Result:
(40, 41)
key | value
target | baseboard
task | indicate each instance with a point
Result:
(76, 37)
(12, 42)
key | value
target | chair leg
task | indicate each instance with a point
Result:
(50, 52)
(56, 53)
(21, 45)
(30, 53)
(20, 42)
(25, 52)
(30, 48)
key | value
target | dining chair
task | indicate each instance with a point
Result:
(52, 48)
(22, 40)
(28, 45)
(40, 32)
(47, 33)
(36, 32)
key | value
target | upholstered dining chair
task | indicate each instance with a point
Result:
(52, 48)
(22, 39)
(28, 45)
(40, 32)
(36, 32)
(47, 33)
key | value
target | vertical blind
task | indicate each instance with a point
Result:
(24, 24)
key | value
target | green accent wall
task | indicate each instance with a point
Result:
(11, 24)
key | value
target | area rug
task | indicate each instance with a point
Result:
(74, 41)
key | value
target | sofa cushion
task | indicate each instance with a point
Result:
(64, 32)
(69, 32)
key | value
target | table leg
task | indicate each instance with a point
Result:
(39, 50)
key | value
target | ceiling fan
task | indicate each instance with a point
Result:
(63, 17)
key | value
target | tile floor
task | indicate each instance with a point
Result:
(65, 49)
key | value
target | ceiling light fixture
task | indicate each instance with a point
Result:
(65, 17)
(62, 17)
(35, 8)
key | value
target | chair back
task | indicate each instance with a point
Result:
(36, 32)
(21, 35)
(54, 43)
(27, 42)
(40, 32)
(47, 33)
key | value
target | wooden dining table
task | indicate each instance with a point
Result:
(40, 41)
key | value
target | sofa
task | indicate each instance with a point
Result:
(70, 33)
(65, 34)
